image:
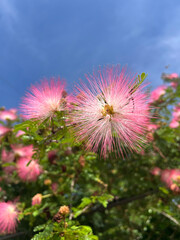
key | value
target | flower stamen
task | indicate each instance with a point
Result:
(107, 110)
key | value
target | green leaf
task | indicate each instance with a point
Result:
(46, 234)
(8, 164)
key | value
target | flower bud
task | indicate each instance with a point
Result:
(64, 210)
(37, 199)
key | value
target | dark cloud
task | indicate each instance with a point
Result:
(69, 38)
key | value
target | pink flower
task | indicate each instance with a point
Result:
(20, 133)
(4, 130)
(37, 199)
(108, 114)
(8, 217)
(152, 127)
(176, 113)
(28, 173)
(173, 75)
(170, 177)
(174, 124)
(13, 110)
(44, 100)
(26, 151)
(54, 187)
(174, 84)
(7, 115)
(156, 171)
(8, 157)
(165, 176)
(155, 95)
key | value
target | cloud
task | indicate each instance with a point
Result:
(8, 15)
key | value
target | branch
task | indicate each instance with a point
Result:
(120, 201)
(168, 216)
(12, 236)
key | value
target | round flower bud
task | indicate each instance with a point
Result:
(64, 210)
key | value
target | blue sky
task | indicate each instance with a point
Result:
(68, 38)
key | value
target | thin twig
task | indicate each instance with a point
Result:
(120, 201)
(168, 216)
(159, 151)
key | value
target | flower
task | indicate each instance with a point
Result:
(44, 100)
(156, 171)
(8, 217)
(152, 127)
(7, 115)
(20, 133)
(8, 157)
(54, 187)
(174, 84)
(173, 75)
(64, 210)
(155, 95)
(28, 173)
(4, 130)
(174, 123)
(37, 199)
(111, 113)
(170, 177)
(20, 151)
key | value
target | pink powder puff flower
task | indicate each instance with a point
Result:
(173, 75)
(44, 100)
(13, 110)
(20, 133)
(7, 115)
(8, 157)
(165, 176)
(152, 127)
(156, 171)
(176, 113)
(155, 95)
(109, 113)
(54, 187)
(4, 130)
(174, 124)
(37, 199)
(28, 173)
(174, 84)
(170, 177)
(8, 217)
(26, 151)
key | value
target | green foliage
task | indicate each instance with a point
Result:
(110, 198)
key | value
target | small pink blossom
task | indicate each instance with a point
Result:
(20, 133)
(8, 217)
(7, 115)
(108, 114)
(165, 176)
(152, 127)
(174, 124)
(13, 110)
(176, 113)
(174, 84)
(155, 95)
(44, 100)
(4, 130)
(54, 187)
(156, 171)
(28, 173)
(8, 157)
(37, 199)
(170, 177)
(20, 151)
(173, 75)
